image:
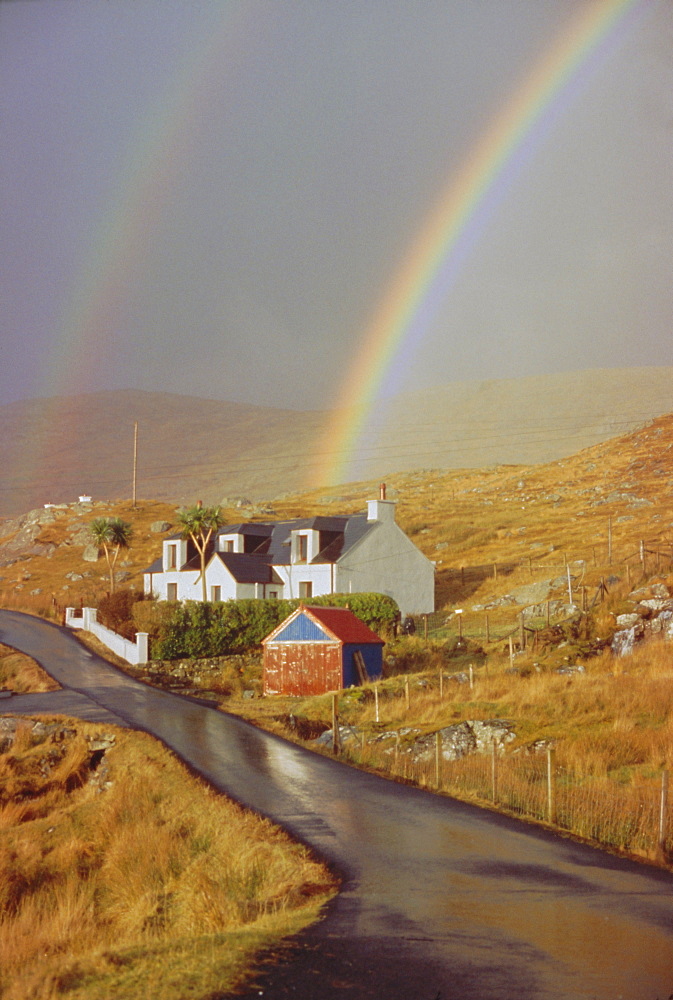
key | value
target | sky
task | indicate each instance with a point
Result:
(215, 198)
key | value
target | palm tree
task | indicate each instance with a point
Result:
(199, 523)
(112, 534)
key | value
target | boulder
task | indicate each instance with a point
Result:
(157, 527)
(90, 553)
(463, 738)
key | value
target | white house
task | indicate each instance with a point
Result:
(304, 558)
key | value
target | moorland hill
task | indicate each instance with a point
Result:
(53, 450)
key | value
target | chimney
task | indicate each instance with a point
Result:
(381, 509)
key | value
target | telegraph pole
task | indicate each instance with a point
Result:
(135, 460)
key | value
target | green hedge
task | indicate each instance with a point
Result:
(195, 629)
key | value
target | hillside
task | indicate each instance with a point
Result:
(507, 541)
(53, 450)
(529, 519)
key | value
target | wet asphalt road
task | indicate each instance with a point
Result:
(441, 901)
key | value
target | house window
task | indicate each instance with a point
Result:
(302, 548)
(216, 594)
(228, 545)
(273, 595)
(306, 588)
(172, 592)
(172, 557)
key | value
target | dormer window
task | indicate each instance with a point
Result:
(172, 557)
(302, 548)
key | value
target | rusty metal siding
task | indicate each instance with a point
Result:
(302, 668)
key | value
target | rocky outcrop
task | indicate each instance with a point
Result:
(461, 739)
(652, 615)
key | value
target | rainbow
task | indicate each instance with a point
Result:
(157, 162)
(459, 216)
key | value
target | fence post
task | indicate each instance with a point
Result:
(438, 757)
(488, 634)
(548, 613)
(376, 702)
(406, 692)
(663, 810)
(335, 724)
(570, 586)
(511, 652)
(425, 627)
(441, 684)
(522, 632)
(471, 669)
(551, 798)
(495, 571)
(609, 541)
(142, 639)
(494, 772)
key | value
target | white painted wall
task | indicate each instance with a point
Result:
(385, 561)
(132, 652)
(320, 576)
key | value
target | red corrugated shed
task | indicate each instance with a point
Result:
(320, 649)
(344, 625)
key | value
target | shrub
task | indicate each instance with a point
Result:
(116, 612)
(197, 629)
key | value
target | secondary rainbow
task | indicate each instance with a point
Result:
(155, 167)
(443, 242)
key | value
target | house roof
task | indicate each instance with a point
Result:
(248, 567)
(255, 528)
(338, 536)
(337, 623)
(341, 533)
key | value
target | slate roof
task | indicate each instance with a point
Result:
(248, 567)
(347, 531)
(341, 534)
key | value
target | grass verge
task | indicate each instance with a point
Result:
(123, 875)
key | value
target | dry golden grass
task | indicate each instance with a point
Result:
(152, 886)
(20, 673)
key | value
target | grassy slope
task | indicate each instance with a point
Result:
(145, 883)
(504, 514)
(530, 519)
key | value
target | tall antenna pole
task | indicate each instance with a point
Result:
(135, 460)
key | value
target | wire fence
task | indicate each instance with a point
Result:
(496, 622)
(635, 817)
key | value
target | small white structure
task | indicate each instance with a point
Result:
(302, 558)
(86, 620)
